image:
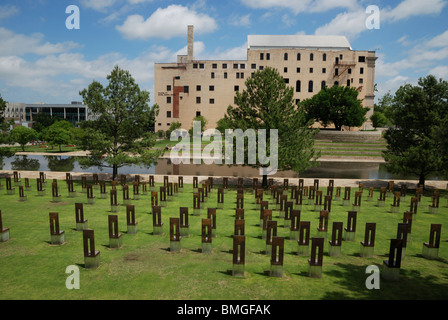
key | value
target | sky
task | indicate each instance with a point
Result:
(44, 61)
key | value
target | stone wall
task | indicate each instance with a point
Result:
(350, 136)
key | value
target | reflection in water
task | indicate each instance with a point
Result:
(25, 163)
(60, 163)
(330, 170)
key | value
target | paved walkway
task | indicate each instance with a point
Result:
(158, 178)
(439, 184)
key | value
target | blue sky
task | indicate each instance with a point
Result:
(43, 61)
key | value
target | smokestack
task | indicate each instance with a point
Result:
(190, 42)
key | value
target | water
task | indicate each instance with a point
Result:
(330, 169)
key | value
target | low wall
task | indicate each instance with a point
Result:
(350, 136)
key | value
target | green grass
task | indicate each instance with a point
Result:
(49, 149)
(144, 268)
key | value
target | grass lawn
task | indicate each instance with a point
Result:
(144, 267)
(48, 149)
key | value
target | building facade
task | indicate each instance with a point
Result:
(22, 113)
(189, 87)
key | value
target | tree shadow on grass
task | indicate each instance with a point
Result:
(412, 285)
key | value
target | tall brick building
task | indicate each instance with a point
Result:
(190, 87)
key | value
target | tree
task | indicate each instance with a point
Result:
(338, 105)
(203, 124)
(119, 136)
(378, 119)
(173, 126)
(22, 135)
(153, 113)
(3, 123)
(42, 121)
(416, 143)
(59, 133)
(267, 103)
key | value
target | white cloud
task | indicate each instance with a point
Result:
(297, 7)
(238, 20)
(19, 44)
(439, 41)
(349, 24)
(353, 22)
(410, 8)
(7, 11)
(440, 72)
(98, 5)
(166, 23)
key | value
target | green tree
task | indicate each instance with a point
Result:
(42, 121)
(59, 133)
(267, 103)
(153, 113)
(173, 126)
(416, 143)
(22, 135)
(378, 119)
(119, 136)
(203, 124)
(338, 105)
(3, 123)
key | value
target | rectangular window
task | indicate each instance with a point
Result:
(253, 66)
(186, 89)
(311, 56)
(242, 66)
(298, 69)
(225, 75)
(212, 101)
(361, 71)
(236, 88)
(324, 70)
(349, 70)
(198, 99)
(211, 88)
(168, 88)
(361, 59)
(235, 66)
(214, 65)
(168, 99)
(195, 65)
(268, 56)
(168, 114)
(285, 69)
(224, 65)
(212, 75)
(198, 88)
(198, 113)
(201, 66)
(261, 56)
(286, 80)
(311, 70)
(361, 80)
